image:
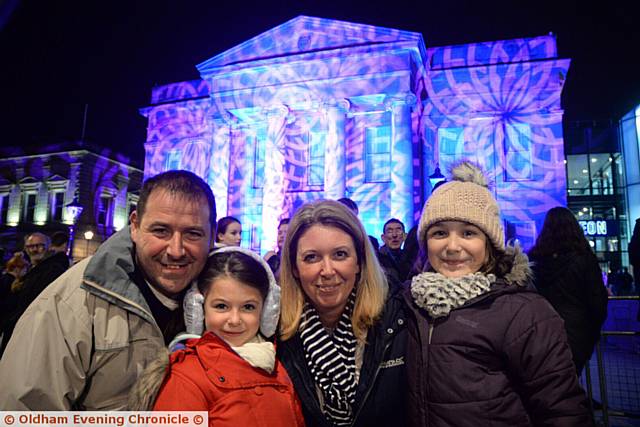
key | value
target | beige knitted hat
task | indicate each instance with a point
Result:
(465, 198)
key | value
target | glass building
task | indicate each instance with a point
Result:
(596, 188)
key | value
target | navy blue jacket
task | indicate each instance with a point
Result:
(380, 397)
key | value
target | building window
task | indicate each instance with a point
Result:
(378, 154)
(450, 146)
(517, 148)
(104, 211)
(173, 160)
(4, 208)
(315, 171)
(57, 206)
(29, 207)
(259, 144)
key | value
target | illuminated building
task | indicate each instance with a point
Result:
(37, 184)
(317, 108)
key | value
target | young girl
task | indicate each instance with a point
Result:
(231, 371)
(483, 350)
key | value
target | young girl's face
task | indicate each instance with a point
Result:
(232, 310)
(456, 248)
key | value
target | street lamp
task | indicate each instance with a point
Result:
(436, 176)
(88, 235)
(74, 209)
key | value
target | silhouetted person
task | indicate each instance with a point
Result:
(634, 253)
(567, 274)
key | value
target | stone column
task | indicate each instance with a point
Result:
(74, 173)
(120, 202)
(273, 191)
(218, 177)
(15, 197)
(335, 175)
(40, 215)
(401, 158)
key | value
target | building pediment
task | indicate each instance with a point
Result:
(305, 34)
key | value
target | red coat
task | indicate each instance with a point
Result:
(209, 376)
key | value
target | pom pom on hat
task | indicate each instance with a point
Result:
(465, 198)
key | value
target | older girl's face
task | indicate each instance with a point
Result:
(326, 266)
(456, 248)
(232, 235)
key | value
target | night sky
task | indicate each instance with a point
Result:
(57, 56)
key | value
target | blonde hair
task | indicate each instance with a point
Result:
(371, 283)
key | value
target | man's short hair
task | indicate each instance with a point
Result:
(353, 206)
(182, 183)
(392, 221)
(59, 238)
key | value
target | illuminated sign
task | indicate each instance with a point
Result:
(598, 227)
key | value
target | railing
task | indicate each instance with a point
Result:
(612, 328)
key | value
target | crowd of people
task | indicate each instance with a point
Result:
(444, 324)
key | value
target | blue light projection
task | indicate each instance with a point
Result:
(317, 108)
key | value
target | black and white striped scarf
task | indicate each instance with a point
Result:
(332, 360)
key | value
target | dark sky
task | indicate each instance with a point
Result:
(57, 56)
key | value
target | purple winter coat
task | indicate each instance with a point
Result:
(502, 359)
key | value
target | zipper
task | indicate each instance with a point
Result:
(430, 332)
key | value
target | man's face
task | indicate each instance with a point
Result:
(393, 235)
(172, 240)
(36, 247)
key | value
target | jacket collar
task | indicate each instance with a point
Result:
(110, 274)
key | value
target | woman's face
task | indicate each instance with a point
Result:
(456, 248)
(232, 235)
(327, 266)
(232, 310)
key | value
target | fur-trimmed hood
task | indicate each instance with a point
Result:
(516, 267)
(144, 392)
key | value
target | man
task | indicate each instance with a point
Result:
(391, 255)
(36, 246)
(49, 261)
(85, 340)
(273, 258)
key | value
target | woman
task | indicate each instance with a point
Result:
(229, 232)
(482, 349)
(342, 338)
(567, 274)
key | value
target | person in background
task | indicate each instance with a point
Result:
(273, 257)
(84, 341)
(634, 255)
(567, 274)
(342, 337)
(36, 246)
(229, 232)
(231, 371)
(391, 254)
(353, 207)
(483, 349)
(49, 264)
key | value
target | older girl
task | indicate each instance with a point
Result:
(483, 350)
